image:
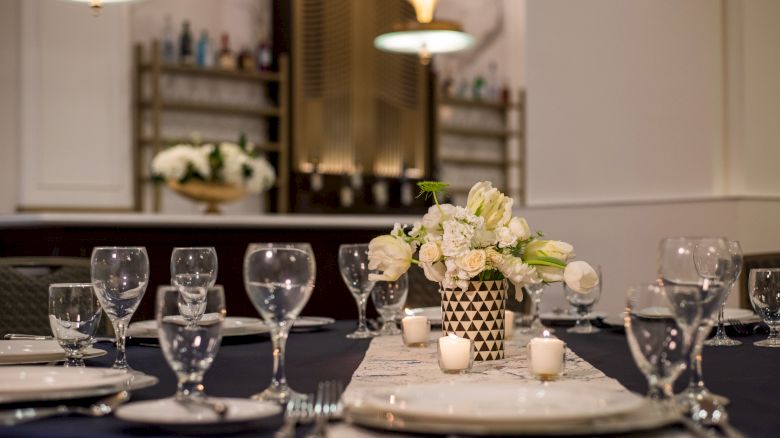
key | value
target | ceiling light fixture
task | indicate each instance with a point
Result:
(426, 36)
(97, 5)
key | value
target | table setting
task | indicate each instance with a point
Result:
(467, 367)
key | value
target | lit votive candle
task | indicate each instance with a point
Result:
(415, 330)
(456, 354)
(546, 357)
(509, 324)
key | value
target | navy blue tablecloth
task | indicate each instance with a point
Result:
(746, 374)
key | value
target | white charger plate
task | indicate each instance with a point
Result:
(312, 322)
(21, 380)
(169, 412)
(432, 313)
(233, 326)
(745, 316)
(23, 352)
(569, 317)
(480, 403)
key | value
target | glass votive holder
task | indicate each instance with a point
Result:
(415, 330)
(455, 354)
(509, 324)
(546, 357)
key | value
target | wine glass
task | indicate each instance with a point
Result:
(194, 266)
(693, 272)
(353, 264)
(654, 338)
(721, 339)
(389, 298)
(279, 282)
(120, 276)
(190, 347)
(764, 292)
(583, 301)
(74, 316)
(535, 293)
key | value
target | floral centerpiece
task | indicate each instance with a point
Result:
(472, 252)
(214, 173)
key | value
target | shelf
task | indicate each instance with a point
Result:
(456, 101)
(256, 76)
(214, 108)
(265, 147)
(483, 162)
(477, 132)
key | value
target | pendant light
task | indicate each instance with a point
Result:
(425, 36)
(97, 5)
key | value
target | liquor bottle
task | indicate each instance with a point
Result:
(264, 56)
(226, 60)
(203, 53)
(168, 42)
(185, 44)
(407, 195)
(346, 193)
(478, 88)
(245, 61)
(492, 90)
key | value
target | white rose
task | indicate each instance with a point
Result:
(580, 277)
(505, 237)
(519, 227)
(390, 255)
(490, 204)
(549, 248)
(434, 271)
(472, 263)
(550, 274)
(430, 252)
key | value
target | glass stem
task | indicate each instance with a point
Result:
(535, 311)
(361, 302)
(696, 378)
(279, 342)
(187, 388)
(721, 332)
(121, 358)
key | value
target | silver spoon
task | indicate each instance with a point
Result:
(100, 408)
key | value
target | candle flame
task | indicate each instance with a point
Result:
(546, 334)
(408, 312)
(453, 336)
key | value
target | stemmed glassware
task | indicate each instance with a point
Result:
(389, 298)
(583, 301)
(190, 347)
(279, 282)
(535, 293)
(120, 276)
(764, 292)
(721, 339)
(74, 316)
(194, 266)
(353, 264)
(654, 338)
(694, 273)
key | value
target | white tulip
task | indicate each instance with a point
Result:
(550, 274)
(490, 204)
(390, 255)
(430, 252)
(580, 277)
(434, 271)
(519, 227)
(518, 272)
(549, 248)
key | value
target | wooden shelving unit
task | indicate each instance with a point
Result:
(512, 138)
(153, 70)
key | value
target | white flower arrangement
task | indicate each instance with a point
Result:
(227, 163)
(481, 241)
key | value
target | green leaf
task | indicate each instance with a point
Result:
(547, 261)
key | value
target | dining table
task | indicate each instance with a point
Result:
(746, 374)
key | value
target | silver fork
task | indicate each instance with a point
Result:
(299, 410)
(739, 327)
(327, 406)
(100, 408)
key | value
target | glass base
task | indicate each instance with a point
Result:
(583, 329)
(362, 334)
(771, 343)
(690, 399)
(279, 394)
(388, 329)
(722, 341)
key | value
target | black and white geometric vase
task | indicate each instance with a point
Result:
(477, 314)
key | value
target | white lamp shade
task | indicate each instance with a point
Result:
(430, 40)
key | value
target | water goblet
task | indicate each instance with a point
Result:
(353, 264)
(194, 266)
(120, 276)
(279, 282)
(389, 298)
(189, 347)
(74, 316)
(764, 292)
(583, 301)
(721, 339)
(655, 339)
(535, 293)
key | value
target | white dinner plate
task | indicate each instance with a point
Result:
(169, 412)
(432, 313)
(233, 326)
(569, 317)
(312, 322)
(132, 382)
(16, 380)
(37, 351)
(745, 316)
(494, 403)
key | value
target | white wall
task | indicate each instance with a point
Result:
(624, 100)
(9, 104)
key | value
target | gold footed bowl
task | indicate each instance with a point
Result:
(212, 194)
